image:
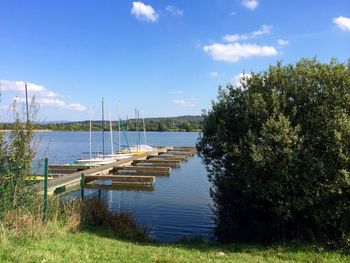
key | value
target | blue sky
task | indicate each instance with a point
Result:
(165, 57)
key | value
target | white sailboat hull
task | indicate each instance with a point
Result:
(94, 161)
(117, 156)
(137, 149)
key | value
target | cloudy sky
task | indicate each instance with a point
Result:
(165, 57)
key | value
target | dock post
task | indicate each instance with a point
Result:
(46, 198)
(82, 183)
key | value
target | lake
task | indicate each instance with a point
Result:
(178, 206)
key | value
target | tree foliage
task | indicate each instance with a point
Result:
(277, 149)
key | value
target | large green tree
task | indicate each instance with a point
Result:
(277, 149)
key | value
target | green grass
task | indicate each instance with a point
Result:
(88, 232)
(98, 245)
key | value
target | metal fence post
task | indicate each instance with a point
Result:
(82, 183)
(46, 199)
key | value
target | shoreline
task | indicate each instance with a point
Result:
(33, 130)
(92, 131)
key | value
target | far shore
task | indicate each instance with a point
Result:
(34, 130)
(46, 130)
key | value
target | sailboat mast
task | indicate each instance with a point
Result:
(90, 136)
(111, 131)
(144, 127)
(103, 131)
(136, 129)
(119, 119)
(139, 135)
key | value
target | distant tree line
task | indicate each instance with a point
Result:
(183, 123)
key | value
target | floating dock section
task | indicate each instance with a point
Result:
(137, 172)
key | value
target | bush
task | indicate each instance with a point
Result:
(16, 154)
(277, 151)
(93, 214)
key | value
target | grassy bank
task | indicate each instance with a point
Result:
(100, 245)
(88, 232)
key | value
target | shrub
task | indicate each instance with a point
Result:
(277, 151)
(94, 213)
(16, 154)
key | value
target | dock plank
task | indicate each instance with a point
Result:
(137, 173)
(144, 168)
(121, 178)
(156, 161)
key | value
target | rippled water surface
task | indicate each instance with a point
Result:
(179, 204)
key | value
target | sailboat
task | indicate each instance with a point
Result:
(139, 148)
(115, 156)
(99, 160)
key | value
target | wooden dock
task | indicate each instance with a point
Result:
(159, 163)
(139, 179)
(137, 171)
(141, 170)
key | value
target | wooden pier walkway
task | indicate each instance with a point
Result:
(135, 171)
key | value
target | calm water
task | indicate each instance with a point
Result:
(178, 206)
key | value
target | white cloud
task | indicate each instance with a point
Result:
(241, 78)
(233, 13)
(236, 51)
(185, 103)
(342, 22)
(174, 10)
(43, 96)
(55, 103)
(250, 4)
(76, 106)
(144, 12)
(213, 74)
(8, 85)
(234, 38)
(51, 102)
(263, 30)
(283, 42)
(176, 92)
